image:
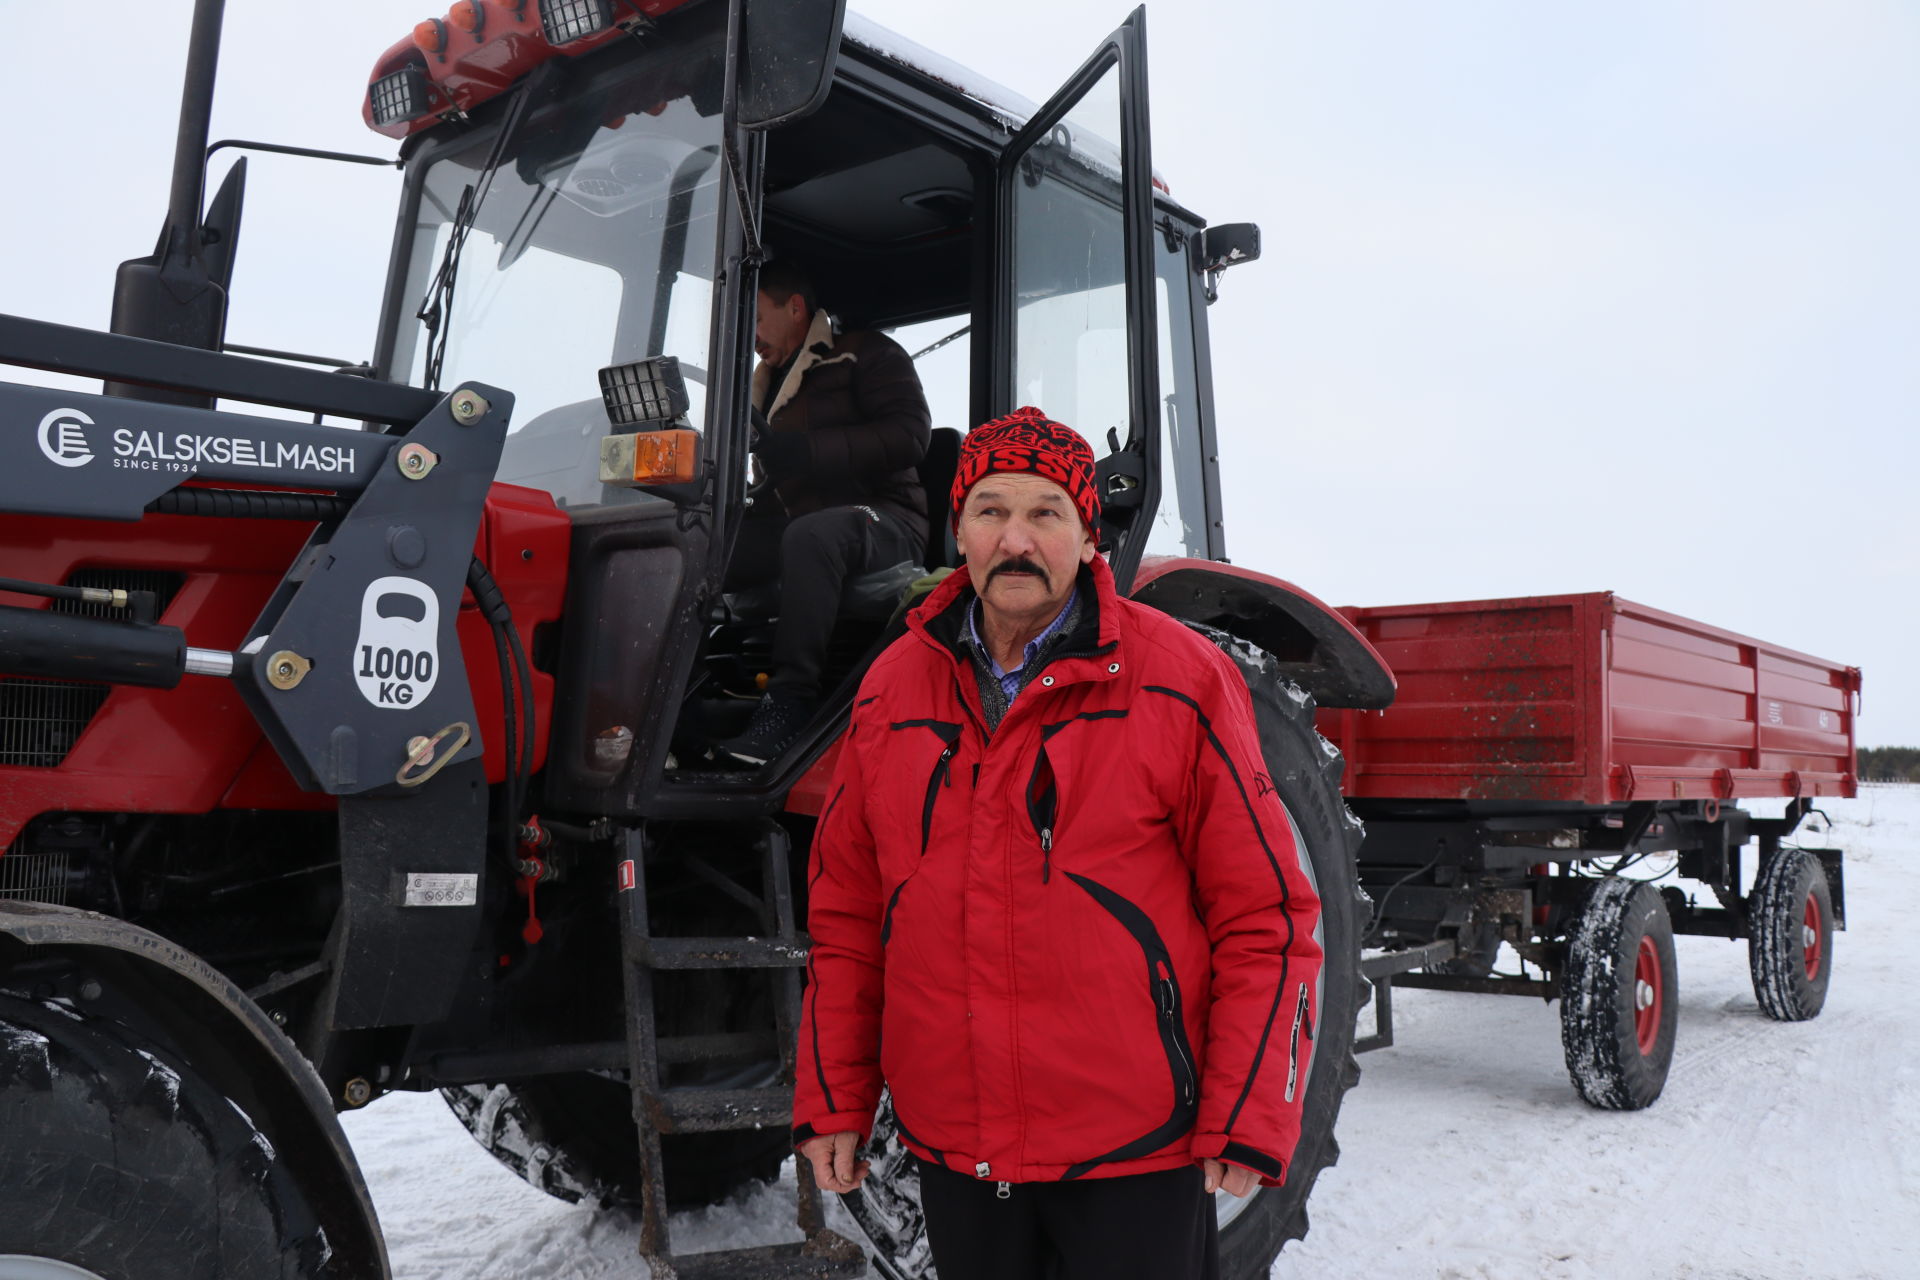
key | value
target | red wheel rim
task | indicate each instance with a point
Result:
(1810, 937)
(1648, 996)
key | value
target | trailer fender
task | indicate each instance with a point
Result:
(171, 995)
(1318, 649)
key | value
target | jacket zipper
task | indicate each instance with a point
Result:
(1043, 808)
(1293, 1054)
(942, 776)
(1176, 1036)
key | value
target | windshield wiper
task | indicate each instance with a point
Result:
(437, 307)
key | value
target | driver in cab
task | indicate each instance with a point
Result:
(841, 424)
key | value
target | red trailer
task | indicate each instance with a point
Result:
(1541, 749)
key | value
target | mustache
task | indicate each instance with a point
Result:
(1020, 564)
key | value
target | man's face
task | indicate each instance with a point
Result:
(779, 327)
(1024, 544)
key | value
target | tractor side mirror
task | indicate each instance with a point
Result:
(1227, 245)
(787, 52)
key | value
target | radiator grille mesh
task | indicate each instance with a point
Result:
(40, 720)
(36, 877)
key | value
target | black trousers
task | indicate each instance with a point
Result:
(1150, 1226)
(812, 555)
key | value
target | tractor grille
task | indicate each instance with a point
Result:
(40, 720)
(36, 877)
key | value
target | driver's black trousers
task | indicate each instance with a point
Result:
(1146, 1226)
(812, 556)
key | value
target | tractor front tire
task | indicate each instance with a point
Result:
(1620, 996)
(1790, 949)
(1305, 770)
(117, 1162)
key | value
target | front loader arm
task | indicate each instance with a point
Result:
(355, 658)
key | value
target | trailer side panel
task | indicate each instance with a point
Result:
(1591, 699)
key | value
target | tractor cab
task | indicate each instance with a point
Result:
(589, 235)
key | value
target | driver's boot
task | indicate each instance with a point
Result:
(775, 726)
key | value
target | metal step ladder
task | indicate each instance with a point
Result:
(657, 1110)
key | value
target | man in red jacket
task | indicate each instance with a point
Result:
(1057, 907)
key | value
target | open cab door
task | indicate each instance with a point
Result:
(1074, 283)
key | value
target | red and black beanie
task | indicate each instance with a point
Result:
(1028, 440)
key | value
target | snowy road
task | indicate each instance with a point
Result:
(1778, 1152)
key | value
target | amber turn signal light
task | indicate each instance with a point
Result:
(650, 457)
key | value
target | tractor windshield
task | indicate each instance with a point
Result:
(585, 238)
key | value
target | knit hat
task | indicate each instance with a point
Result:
(1028, 440)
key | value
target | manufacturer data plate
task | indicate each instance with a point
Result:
(442, 889)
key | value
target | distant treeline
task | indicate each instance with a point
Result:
(1890, 764)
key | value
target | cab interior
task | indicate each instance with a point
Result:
(880, 212)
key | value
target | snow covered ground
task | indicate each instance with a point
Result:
(1783, 1152)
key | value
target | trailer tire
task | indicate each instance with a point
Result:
(1619, 996)
(1790, 948)
(118, 1160)
(1306, 770)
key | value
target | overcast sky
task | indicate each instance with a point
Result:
(1555, 298)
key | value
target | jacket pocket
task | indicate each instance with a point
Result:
(941, 777)
(893, 900)
(1043, 809)
(1173, 1031)
(1043, 784)
(1164, 988)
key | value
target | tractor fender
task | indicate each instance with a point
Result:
(1317, 648)
(175, 997)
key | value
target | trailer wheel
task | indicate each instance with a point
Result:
(1305, 769)
(118, 1162)
(1790, 949)
(1619, 996)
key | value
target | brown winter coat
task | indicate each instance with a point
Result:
(858, 400)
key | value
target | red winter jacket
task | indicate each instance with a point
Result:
(1080, 947)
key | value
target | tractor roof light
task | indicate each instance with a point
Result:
(430, 35)
(468, 15)
(564, 21)
(646, 394)
(400, 95)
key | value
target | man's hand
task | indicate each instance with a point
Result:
(835, 1166)
(1237, 1179)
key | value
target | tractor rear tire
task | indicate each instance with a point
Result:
(573, 1137)
(1620, 996)
(1790, 950)
(1305, 769)
(118, 1162)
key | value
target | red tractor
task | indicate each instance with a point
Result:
(336, 760)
